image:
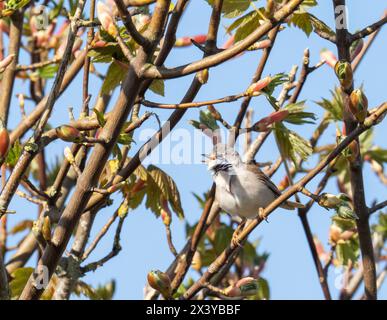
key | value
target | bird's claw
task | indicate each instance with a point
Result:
(261, 214)
(235, 240)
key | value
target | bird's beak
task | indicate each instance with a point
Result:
(207, 157)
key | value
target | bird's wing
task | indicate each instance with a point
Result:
(264, 178)
(288, 205)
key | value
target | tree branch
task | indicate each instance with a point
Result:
(8, 79)
(153, 72)
(370, 29)
(88, 179)
(130, 27)
(355, 167)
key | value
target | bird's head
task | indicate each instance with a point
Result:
(222, 158)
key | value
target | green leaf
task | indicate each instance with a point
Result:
(366, 140)
(167, 188)
(157, 86)
(346, 252)
(233, 8)
(381, 226)
(102, 292)
(48, 72)
(113, 78)
(195, 124)
(343, 224)
(346, 212)
(100, 117)
(106, 53)
(54, 13)
(264, 290)
(240, 21)
(125, 139)
(246, 24)
(307, 4)
(276, 81)
(21, 226)
(14, 154)
(208, 120)
(222, 238)
(302, 20)
(334, 107)
(106, 291)
(378, 154)
(13, 5)
(202, 200)
(292, 145)
(320, 25)
(297, 115)
(19, 279)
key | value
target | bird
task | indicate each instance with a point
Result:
(242, 189)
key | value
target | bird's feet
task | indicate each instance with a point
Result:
(235, 236)
(261, 214)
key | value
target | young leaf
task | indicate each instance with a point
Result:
(14, 154)
(21, 226)
(333, 107)
(167, 189)
(347, 252)
(302, 20)
(208, 120)
(233, 8)
(19, 279)
(113, 78)
(125, 138)
(292, 145)
(48, 72)
(100, 117)
(249, 23)
(297, 115)
(157, 86)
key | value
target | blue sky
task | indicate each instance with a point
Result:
(290, 269)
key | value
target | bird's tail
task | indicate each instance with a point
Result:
(291, 205)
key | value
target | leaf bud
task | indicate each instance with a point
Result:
(344, 73)
(160, 281)
(68, 133)
(358, 105)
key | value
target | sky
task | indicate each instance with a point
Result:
(290, 269)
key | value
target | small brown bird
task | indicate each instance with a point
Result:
(242, 189)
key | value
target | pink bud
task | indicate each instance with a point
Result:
(200, 38)
(258, 86)
(4, 142)
(183, 42)
(265, 123)
(278, 116)
(105, 16)
(328, 57)
(322, 254)
(229, 42)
